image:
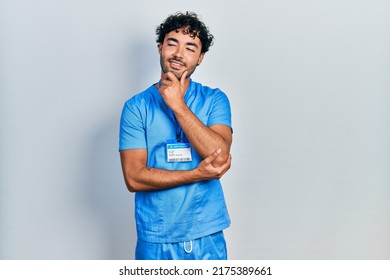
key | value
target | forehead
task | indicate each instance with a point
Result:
(182, 36)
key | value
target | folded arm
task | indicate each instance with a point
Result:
(204, 139)
(139, 177)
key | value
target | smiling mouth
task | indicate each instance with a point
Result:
(177, 65)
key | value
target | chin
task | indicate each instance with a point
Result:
(177, 74)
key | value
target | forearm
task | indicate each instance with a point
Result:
(204, 139)
(154, 179)
(139, 177)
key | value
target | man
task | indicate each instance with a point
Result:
(175, 140)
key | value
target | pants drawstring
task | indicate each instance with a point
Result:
(185, 247)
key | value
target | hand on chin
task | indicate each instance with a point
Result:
(177, 73)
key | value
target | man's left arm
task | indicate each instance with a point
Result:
(204, 139)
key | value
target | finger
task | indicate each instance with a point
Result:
(172, 77)
(225, 167)
(212, 157)
(230, 159)
(166, 83)
(228, 163)
(223, 173)
(183, 77)
(165, 78)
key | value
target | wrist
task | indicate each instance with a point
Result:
(180, 109)
(194, 175)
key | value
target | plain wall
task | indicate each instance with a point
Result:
(309, 87)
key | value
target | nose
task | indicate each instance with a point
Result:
(179, 52)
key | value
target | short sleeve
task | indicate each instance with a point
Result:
(132, 131)
(220, 112)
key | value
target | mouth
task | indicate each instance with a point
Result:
(176, 65)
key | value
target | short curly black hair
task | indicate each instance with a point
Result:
(191, 23)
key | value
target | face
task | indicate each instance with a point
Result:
(179, 52)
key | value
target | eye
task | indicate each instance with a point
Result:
(191, 50)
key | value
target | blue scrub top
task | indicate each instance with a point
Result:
(186, 212)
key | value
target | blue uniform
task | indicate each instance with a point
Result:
(185, 212)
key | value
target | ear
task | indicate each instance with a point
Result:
(200, 59)
(159, 47)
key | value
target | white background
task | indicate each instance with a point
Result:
(309, 87)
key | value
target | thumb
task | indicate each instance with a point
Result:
(183, 77)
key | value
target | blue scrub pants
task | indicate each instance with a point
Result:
(211, 247)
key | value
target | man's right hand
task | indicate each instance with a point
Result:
(206, 169)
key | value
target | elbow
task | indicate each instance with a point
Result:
(131, 184)
(219, 162)
(222, 159)
(130, 188)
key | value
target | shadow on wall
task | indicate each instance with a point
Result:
(109, 198)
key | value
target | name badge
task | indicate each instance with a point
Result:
(178, 152)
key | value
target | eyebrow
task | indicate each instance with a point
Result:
(188, 43)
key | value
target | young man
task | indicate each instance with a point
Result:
(175, 140)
